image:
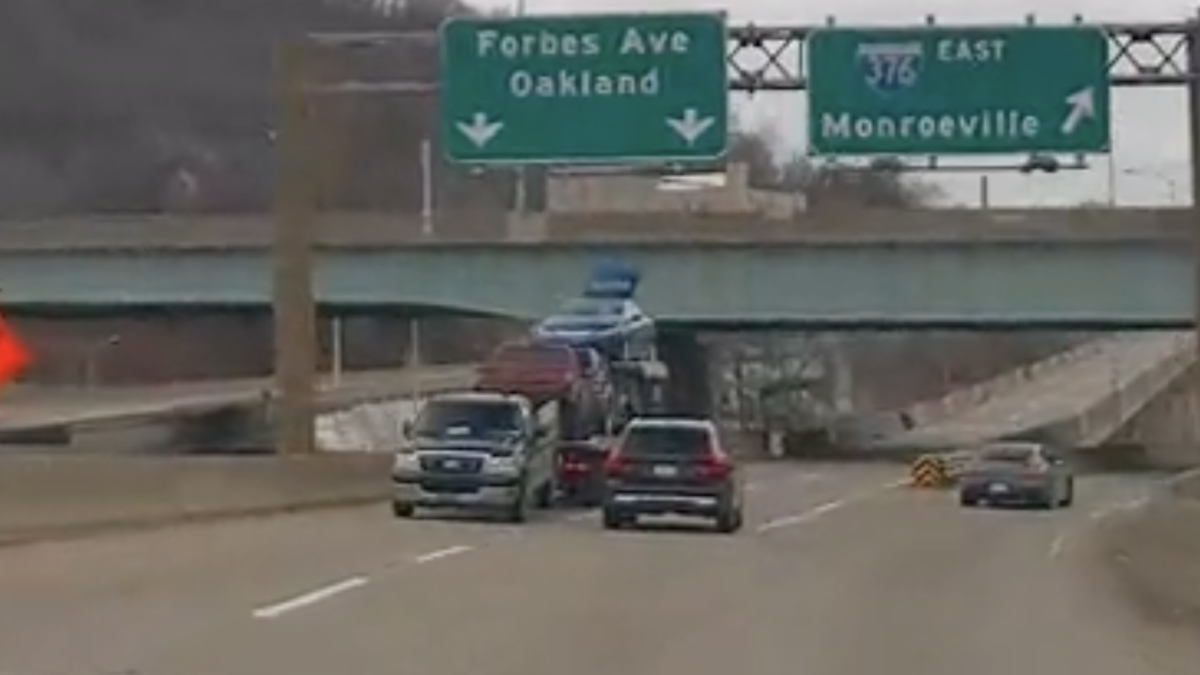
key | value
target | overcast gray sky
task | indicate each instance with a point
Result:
(1150, 146)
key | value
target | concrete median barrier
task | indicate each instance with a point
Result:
(51, 497)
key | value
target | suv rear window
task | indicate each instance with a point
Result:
(660, 441)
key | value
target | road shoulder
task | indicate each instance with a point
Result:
(1149, 557)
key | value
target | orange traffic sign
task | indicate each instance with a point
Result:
(13, 355)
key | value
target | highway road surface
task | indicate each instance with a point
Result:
(840, 571)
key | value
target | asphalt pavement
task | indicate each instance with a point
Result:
(841, 570)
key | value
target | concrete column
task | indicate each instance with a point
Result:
(841, 371)
(689, 390)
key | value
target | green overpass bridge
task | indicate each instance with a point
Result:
(868, 269)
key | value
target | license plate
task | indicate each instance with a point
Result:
(666, 471)
(997, 488)
(451, 464)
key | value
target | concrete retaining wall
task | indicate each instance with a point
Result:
(1152, 407)
(45, 497)
(966, 398)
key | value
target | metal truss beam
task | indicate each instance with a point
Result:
(771, 58)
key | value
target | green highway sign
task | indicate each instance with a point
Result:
(584, 88)
(936, 90)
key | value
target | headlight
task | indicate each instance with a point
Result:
(504, 464)
(405, 461)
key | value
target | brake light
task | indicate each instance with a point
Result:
(572, 467)
(614, 464)
(572, 464)
(715, 466)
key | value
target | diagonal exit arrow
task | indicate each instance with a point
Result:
(1081, 105)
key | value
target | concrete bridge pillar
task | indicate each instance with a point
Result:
(689, 390)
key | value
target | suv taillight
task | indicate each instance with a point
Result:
(614, 464)
(715, 465)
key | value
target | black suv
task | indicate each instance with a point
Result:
(664, 466)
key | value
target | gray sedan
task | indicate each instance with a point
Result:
(1017, 474)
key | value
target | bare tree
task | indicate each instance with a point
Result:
(882, 184)
(117, 103)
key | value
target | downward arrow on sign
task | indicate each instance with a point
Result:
(479, 131)
(691, 126)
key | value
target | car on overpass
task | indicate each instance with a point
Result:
(672, 466)
(1017, 473)
(605, 317)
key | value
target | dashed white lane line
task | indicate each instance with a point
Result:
(332, 590)
(310, 598)
(800, 518)
(816, 512)
(441, 553)
(1058, 546)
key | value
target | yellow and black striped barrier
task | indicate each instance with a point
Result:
(930, 471)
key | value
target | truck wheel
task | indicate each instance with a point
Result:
(402, 510)
(518, 511)
(1069, 498)
(729, 521)
(545, 495)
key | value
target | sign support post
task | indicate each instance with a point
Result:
(293, 303)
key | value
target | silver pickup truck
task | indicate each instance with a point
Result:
(480, 451)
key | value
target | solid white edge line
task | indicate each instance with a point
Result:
(311, 598)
